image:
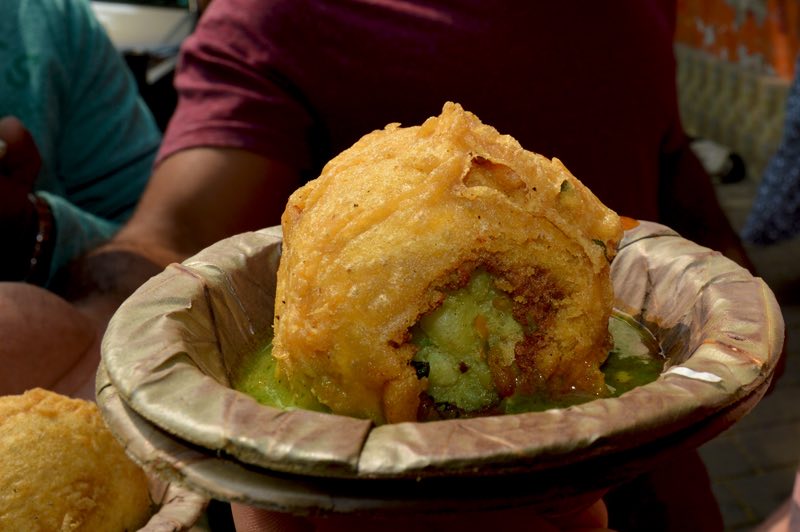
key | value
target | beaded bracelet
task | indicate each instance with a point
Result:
(40, 261)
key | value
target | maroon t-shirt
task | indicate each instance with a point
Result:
(592, 83)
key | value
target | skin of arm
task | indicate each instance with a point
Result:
(46, 343)
(194, 198)
(77, 134)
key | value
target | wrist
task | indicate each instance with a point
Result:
(108, 275)
(41, 253)
(18, 229)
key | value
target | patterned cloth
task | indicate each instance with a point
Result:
(775, 214)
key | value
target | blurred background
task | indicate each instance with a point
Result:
(735, 64)
(149, 34)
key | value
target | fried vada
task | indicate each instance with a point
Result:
(62, 470)
(442, 267)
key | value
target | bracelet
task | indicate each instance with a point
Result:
(38, 268)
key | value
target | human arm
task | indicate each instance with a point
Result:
(232, 153)
(31, 222)
(19, 165)
(46, 343)
(104, 139)
(80, 138)
(194, 198)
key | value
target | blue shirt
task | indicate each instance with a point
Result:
(62, 77)
(775, 214)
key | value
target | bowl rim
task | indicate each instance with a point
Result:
(549, 492)
(735, 333)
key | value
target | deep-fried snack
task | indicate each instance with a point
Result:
(62, 470)
(408, 217)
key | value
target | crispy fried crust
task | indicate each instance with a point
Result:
(62, 470)
(377, 239)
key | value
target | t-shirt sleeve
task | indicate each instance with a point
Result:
(107, 138)
(233, 87)
(77, 231)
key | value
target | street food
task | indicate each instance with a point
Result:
(434, 270)
(62, 470)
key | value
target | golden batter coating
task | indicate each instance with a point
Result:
(405, 215)
(62, 470)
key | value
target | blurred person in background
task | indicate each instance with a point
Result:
(79, 143)
(775, 218)
(77, 146)
(775, 214)
(269, 92)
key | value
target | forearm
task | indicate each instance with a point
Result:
(45, 341)
(75, 231)
(194, 199)
(101, 280)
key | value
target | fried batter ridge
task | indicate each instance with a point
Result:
(402, 217)
(63, 470)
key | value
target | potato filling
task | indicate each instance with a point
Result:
(455, 344)
(459, 343)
